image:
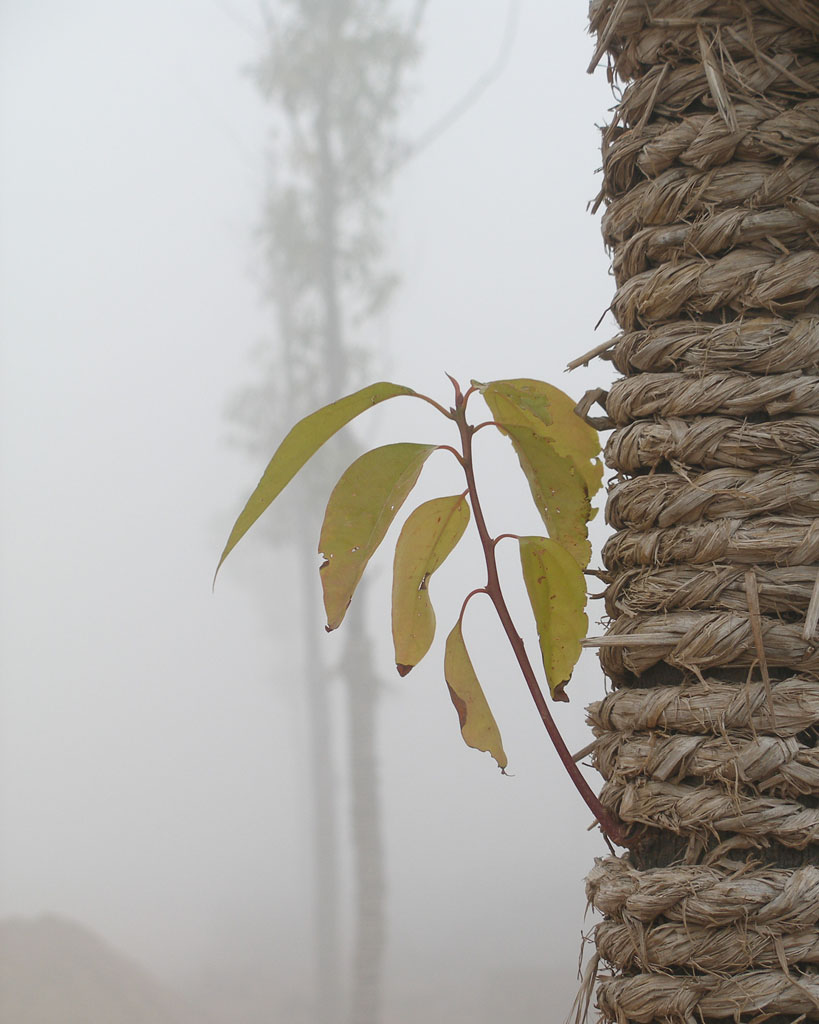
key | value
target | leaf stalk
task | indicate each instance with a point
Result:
(493, 589)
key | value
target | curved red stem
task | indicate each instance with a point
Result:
(493, 588)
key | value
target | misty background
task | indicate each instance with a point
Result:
(154, 775)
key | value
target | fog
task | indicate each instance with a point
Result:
(154, 772)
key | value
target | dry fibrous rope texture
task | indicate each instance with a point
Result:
(683, 198)
(784, 591)
(764, 131)
(669, 91)
(711, 193)
(705, 811)
(758, 344)
(711, 949)
(711, 442)
(719, 920)
(652, 42)
(744, 280)
(646, 998)
(723, 393)
(703, 640)
(768, 540)
(706, 896)
(713, 706)
(665, 499)
(637, 34)
(769, 764)
(770, 231)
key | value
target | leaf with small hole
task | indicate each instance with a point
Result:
(361, 508)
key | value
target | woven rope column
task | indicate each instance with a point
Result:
(708, 742)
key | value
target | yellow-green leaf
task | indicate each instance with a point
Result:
(428, 536)
(570, 434)
(303, 441)
(478, 726)
(558, 489)
(363, 504)
(557, 594)
(559, 481)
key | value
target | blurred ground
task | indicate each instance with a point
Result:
(53, 971)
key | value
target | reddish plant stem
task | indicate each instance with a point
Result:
(493, 588)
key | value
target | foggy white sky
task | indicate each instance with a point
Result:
(153, 775)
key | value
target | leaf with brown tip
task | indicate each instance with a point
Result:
(428, 537)
(557, 594)
(478, 726)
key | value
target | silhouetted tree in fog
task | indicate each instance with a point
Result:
(333, 74)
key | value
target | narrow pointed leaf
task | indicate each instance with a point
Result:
(303, 441)
(363, 504)
(557, 594)
(558, 481)
(478, 726)
(429, 535)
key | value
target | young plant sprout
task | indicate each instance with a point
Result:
(558, 453)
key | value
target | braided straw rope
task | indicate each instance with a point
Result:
(715, 441)
(745, 279)
(712, 949)
(770, 764)
(708, 742)
(728, 894)
(703, 640)
(663, 499)
(763, 540)
(757, 344)
(700, 141)
(711, 706)
(722, 393)
(785, 591)
(645, 998)
(694, 196)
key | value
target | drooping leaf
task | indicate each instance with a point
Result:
(570, 434)
(429, 535)
(303, 441)
(558, 489)
(361, 507)
(558, 480)
(478, 726)
(557, 594)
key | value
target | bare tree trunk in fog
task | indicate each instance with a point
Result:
(324, 789)
(326, 894)
(363, 687)
(334, 376)
(355, 669)
(332, 381)
(334, 72)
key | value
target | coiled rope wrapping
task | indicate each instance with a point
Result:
(708, 743)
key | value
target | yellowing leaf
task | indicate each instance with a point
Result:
(428, 536)
(363, 504)
(557, 594)
(554, 447)
(557, 487)
(569, 433)
(478, 726)
(303, 441)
